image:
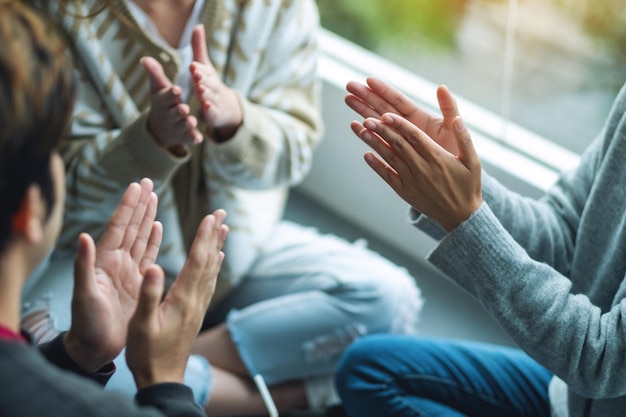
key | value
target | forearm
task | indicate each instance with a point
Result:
(564, 332)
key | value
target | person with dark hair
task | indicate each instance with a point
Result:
(118, 288)
(551, 271)
(218, 102)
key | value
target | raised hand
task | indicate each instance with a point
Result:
(169, 120)
(220, 105)
(443, 186)
(378, 97)
(107, 278)
(163, 331)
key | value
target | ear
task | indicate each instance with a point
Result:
(28, 221)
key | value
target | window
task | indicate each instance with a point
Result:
(551, 66)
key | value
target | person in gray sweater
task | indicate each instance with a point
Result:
(550, 270)
(118, 289)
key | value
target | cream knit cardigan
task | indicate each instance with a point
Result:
(266, 50)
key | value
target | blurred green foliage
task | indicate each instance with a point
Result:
(409, 25)
(606, 21)
(377, 23)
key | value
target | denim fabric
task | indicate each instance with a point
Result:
(307, 297)
(402, 376)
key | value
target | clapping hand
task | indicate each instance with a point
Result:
(163, 330)
(429, 161)
(107, 278)
(169, 120)
(220, 105)
(377, 98)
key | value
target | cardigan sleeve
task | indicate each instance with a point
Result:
(280, 99)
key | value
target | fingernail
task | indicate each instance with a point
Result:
(459, 124)
(387, 118)
(370, 124)
(367, 137)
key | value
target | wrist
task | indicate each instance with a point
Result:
(81, 355)
(222, 134)
(146, 379)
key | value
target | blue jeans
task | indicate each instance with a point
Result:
(402, 376)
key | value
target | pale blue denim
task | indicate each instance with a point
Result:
(305, 300)
(403, 376)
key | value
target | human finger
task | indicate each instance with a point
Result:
(362, 100)
(204, 260)
(398, 149)
(158, 79)
(467, 153)
(390, 99)
(145, 229)
(447, 104)
(84, 265)
(114, 232)
(356, 127)
(152, 248)
(187, 129)
(401, 104)
(384, 170)
(198, 45)
(137, 217)
(167, 98)
(150, 295)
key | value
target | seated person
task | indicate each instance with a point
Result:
(118, 295)
(551, 271)
(218, 102)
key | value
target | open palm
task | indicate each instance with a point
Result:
(107, 278)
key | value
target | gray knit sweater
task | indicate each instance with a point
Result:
(551, 271)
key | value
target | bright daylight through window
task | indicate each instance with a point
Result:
(567, 58)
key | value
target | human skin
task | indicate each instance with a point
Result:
(429, 161)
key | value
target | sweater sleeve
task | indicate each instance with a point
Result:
(31, 386)
(547, 228)
(562, 330)
(174, 400)
(55, 352)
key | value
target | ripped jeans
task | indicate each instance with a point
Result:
(307, 297)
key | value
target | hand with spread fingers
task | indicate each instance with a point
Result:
(444, 186)
(107, 278)
(376, 98)
(163, 330)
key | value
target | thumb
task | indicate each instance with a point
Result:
(447, 104)
(150, 293)
(467, 153)
(158, 79)
(84, 263)
(198, 45)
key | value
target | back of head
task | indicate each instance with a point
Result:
(36, 99)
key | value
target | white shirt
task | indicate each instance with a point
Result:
(183, 49)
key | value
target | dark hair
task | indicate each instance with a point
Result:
(37, 91)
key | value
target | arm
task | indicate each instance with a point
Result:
(562, 328)
(545, 228)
